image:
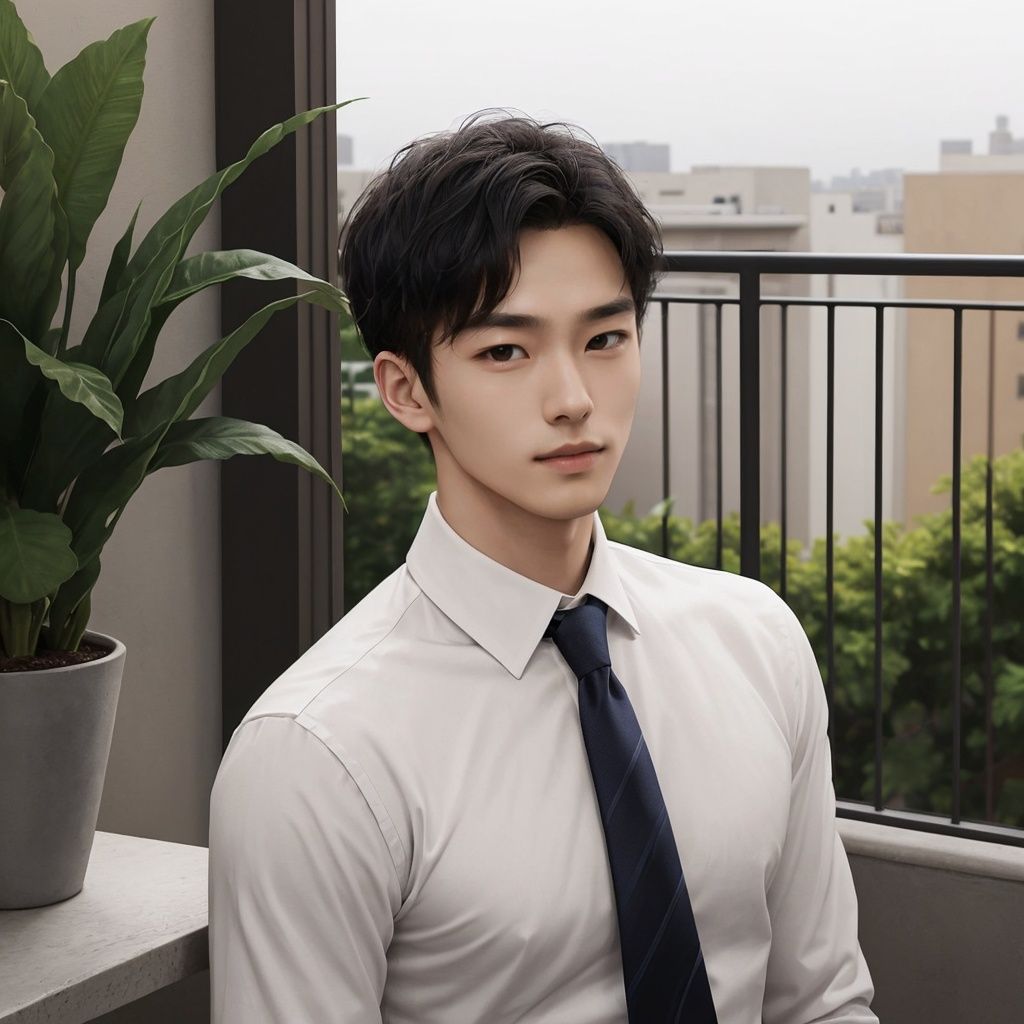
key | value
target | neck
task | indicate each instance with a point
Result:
(554, 552)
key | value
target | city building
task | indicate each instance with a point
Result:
(962, 212)
(718, 208)
(837, 226)
(345, 146)
(1005, 152)
(639, 156)
(877, 191)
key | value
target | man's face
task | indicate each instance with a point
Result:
(510, 394)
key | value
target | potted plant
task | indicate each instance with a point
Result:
(77, 438)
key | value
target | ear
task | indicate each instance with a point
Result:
(401, 392)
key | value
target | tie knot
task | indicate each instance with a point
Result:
(581, 635)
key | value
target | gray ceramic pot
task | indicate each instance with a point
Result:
(55, 732)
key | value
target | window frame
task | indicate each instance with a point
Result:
(281, 527)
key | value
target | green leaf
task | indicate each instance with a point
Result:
(113, 337)
(221, 437)
(131, 381)
(103, 489)
(209, 268)
(68, 599)
(69, 439)
(86, 114)
(190, 210)
(206, 269)
(122, 335)
(23, 394)
(35, 554)
(662, 508)
(31, 253)
(21, 63)
(177, 397)
(179, 223)
(54, 284)
(118, 260)
(16, 381)
(78, 382)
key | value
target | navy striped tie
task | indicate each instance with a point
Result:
(663, 966)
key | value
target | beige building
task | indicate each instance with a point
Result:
(961, 213)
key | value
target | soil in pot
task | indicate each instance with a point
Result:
(45, 658)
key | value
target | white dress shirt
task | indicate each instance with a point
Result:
(404, 828)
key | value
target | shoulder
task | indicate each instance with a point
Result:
(666, 587)
(283, 800)
(373, 623)
(735, 622)
(343, 703)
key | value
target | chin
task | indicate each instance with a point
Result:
(576, 499)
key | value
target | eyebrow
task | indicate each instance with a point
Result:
(524, 320)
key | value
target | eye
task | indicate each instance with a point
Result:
(623, 336)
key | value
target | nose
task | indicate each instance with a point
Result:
(566, 388)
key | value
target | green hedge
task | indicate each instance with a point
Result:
(388, 476)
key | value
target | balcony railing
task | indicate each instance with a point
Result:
(749, 268)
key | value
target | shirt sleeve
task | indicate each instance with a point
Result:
(302, 886)
(816, 970)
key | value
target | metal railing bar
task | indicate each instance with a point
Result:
(718, 433)
(921, 822)
(664, 427)
(706, 300)
(989, 581)
(852, 264)
(829, 489)
(879, 352)
(783, 335)
(806, 300)
(702, 412)
(750, 268)
(750, 424)
(958, 345)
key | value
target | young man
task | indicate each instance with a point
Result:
(461, 808)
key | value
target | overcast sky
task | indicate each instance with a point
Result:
(815, 83)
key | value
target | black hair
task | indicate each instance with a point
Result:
(433, 241)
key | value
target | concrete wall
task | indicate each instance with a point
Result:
(939, 924)
(159, 588)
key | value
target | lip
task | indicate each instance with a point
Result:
(572, 463)
(580, 448)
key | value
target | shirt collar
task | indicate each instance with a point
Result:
(504, 612)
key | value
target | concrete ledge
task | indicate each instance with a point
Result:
(931, 850)
(139, 924)
(939, 923)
